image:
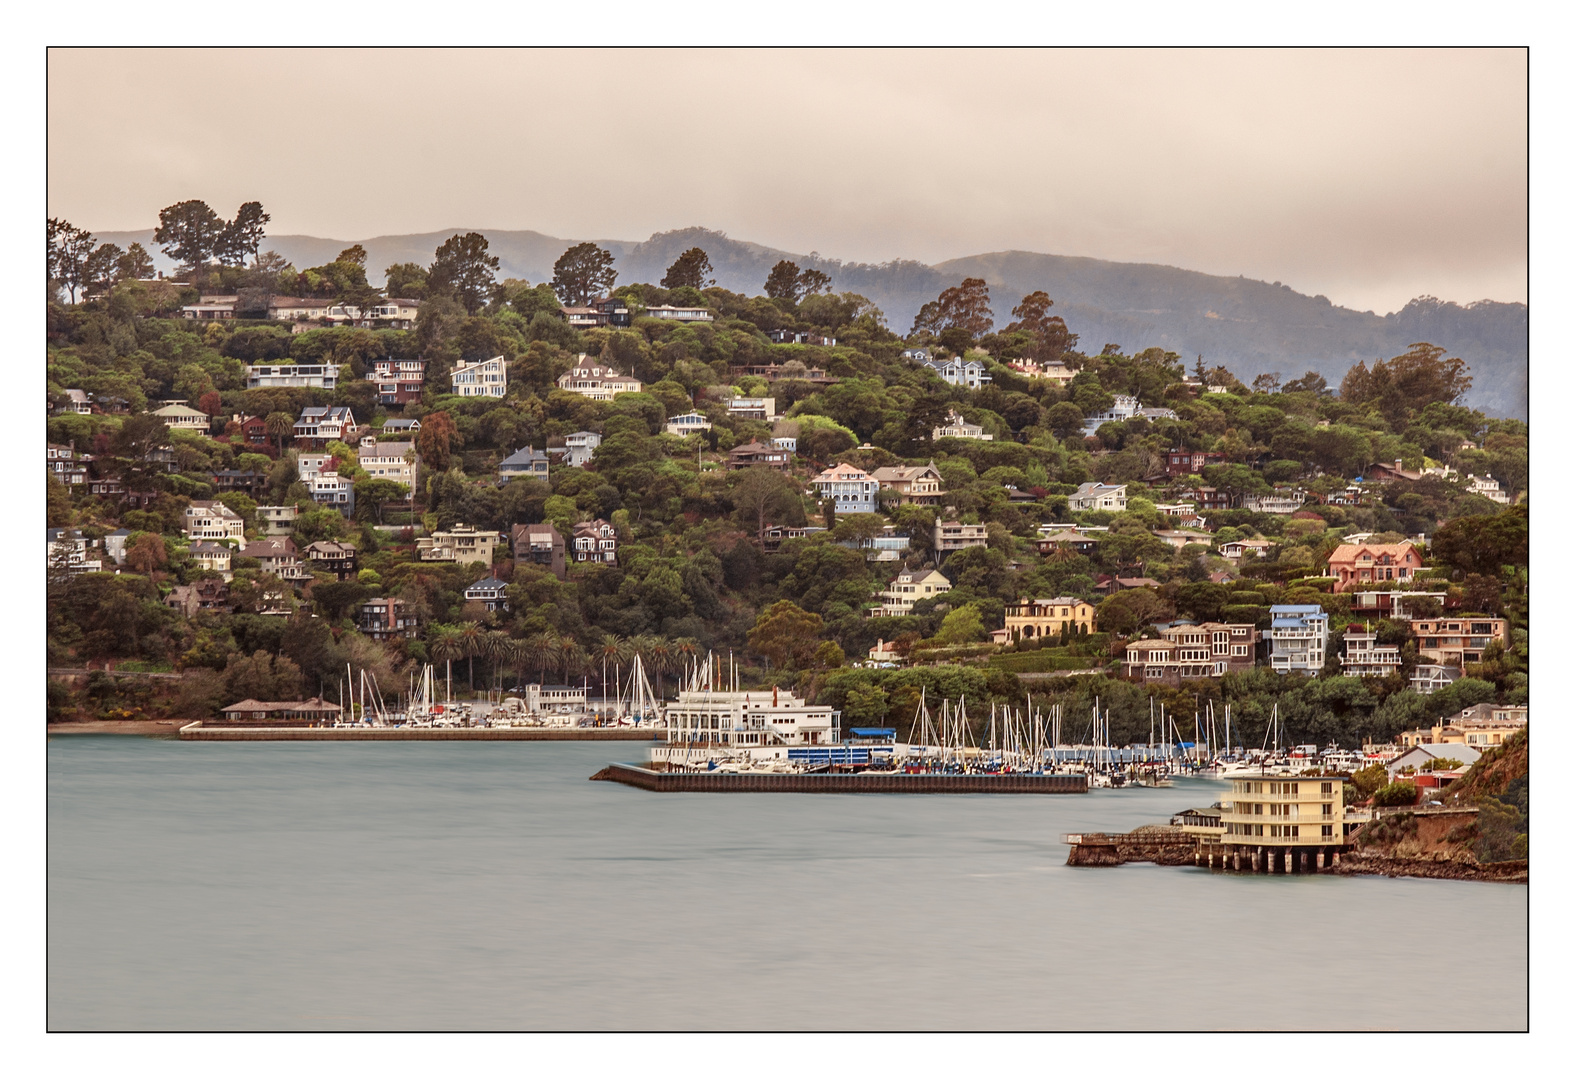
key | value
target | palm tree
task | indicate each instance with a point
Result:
(471, 642)
(571, 656)
(494, 646)
(685, 649)
(278, 425)
(445, 644)
(544, 650)
(518, 654)
(661, 658)
(614, 648)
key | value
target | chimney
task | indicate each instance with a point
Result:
(1397, 464)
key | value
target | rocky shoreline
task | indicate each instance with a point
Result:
(1514, 873)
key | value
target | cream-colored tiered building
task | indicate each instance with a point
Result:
(1270, 813)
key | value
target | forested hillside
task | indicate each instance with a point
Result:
(1250, 327)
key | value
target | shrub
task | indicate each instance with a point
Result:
(1400, 793)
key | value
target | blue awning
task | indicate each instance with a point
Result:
(873, 732)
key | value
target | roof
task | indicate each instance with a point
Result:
(388, 449)
(1350, 552)
(524, 456)
(903, 473)
(269, 549)
(402, 425)
(841, 471)
(309, 705)
(488, 583)
(1460, 751)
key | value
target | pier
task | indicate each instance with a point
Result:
(199, 732)
(856, 783)
(1165, 847)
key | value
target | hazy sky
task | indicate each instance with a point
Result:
(1371, 176)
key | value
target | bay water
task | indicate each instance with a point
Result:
(491, 886)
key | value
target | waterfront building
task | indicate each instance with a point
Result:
(1270, 811)
(749, 718)
(1297, 635)
(554, 698)
(1030, 618)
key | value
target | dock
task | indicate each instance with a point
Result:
(1165, 847)
(855, 783)
(199, 732)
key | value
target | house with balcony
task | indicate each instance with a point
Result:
(214, 308)
(69, 549)
(1354, 566)
(1297, 636)
(180, 416)
(210, 556)
(332, 557)
(463, 544)
(755, 453)
(524, 462)
(1051, 538)
(325, 485)
(1236, 552)
(249, 481)
(394, 461)
(208, 519)
(889, 545)
(1488, 487)
(208, 594)
(64, 462)
(958, 371)
(489, 592)
(1181, 462)
(1097, 496)
(1279, 817)
(386, 618)
(690, 423)
(955, 536)
(314, 376)
(908, 588)
(773, 538)
(480, 378)
(753, 408)
(579, 448)
(1427, 678)
(1186, 651)
(595, 542)
(1365, 658)
(399, 381)
(1181, 538)
(916, 484)
(1037, 619)
(1123, 409)
(1457, 639)
(958, 428)
(678, 313)
(298, 308)
(539, 545)
(851, 489)
(278, 556)
(597, 382)
(1280, 501)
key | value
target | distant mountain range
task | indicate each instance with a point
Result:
(1249, 326)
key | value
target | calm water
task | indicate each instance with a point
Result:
(465, 886)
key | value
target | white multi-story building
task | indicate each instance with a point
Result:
(316, 376)
(704, 719)
(597, 382)
(753, 408)
(73, 548)
(595, 541)
(1365, 658)
(394, 461)
(678, 314)
(182, 417)
(328, 488)
(1297, 635)
(1125, 408)
(1488, 487)
(688, 424)
(579, 448)
(959, 372)
(211, 520)
(1097, 496)
(481, 378)
(852, 490)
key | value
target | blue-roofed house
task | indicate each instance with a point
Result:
(490, 592)
(1297, 636)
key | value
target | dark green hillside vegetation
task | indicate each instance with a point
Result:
(702, 561)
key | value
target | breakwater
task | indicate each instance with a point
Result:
(848, 783)
(1166, 847)
(199, 732)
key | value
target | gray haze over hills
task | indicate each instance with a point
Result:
(1249, 326)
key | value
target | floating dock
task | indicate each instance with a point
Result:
(199, 732)
(856, 783)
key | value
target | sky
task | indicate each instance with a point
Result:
(1371, 176)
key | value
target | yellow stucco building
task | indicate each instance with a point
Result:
(1046, 618)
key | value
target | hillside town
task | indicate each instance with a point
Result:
(259, 475)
